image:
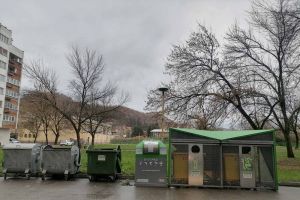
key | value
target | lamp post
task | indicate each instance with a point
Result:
(163, 91)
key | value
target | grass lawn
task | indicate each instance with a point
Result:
(288, 168)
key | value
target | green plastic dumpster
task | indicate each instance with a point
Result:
(103, 163)
(151, 164)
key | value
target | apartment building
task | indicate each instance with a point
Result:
(11, 59)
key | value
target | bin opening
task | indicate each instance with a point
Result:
(151, 147)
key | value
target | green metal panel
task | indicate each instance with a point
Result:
(275, 162)
(221, 135)
(169, 160)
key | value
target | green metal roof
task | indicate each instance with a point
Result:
(221, 135)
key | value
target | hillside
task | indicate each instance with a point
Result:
(123, 116)
(130, 117)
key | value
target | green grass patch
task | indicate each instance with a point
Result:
(288, 168)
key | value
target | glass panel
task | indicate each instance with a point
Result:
(266, 166)
(231, 169)
(180, 164)
(212, 165)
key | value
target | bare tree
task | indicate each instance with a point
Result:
(199, 71)
(269, 51)
(32, 123)
(101, 109)
(87, 68)
(295, 127)
(57, 124)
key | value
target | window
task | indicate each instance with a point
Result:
(2, 64)
(1, 91)
(3, 52)
(2, 78)
(8, 118)
(4, 39)
(12, 93)
(12, 69)
(10, 106)
(13, 81)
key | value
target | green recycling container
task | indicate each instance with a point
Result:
(103, 163)
(151, 164)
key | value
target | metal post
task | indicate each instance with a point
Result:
(221, 166)
(163, 90)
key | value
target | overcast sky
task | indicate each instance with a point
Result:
(134, 36)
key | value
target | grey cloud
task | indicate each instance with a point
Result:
(134, 36)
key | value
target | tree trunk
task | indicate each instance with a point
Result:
(78, 143)
(56, 138)
(289, 147)
(78, 138)
(46, 135)
(297, 139)
(35, 137)
(93, 139)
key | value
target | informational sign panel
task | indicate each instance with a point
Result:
(195, 164)
(151, 171)
(247, 170)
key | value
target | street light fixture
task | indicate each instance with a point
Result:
(163, 91)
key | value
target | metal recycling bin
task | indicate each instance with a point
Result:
(151, 164)
(222, 159)
(60, 160)
(21, 159)
(103, 163)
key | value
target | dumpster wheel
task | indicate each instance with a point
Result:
(27, 176)
(113, 177)
(66, 177)
(92, 178)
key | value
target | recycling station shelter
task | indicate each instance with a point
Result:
(226, 159)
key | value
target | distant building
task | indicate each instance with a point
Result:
(11, 59)
(159, 133)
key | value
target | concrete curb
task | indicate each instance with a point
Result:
(290, 184)
(131, 177)
(83, 175)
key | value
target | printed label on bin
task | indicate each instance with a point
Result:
(142, 180)
(101, 157)
(247, 175)
(139, 151)
(163, 151)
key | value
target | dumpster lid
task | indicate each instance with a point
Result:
(57, 147)
(20, 146)
(92, 149)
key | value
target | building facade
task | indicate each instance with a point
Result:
(11, 59)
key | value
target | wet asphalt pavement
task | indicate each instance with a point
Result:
(81, 189)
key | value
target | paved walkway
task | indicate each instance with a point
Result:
(81, 189)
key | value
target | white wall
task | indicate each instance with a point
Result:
(4, 136)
